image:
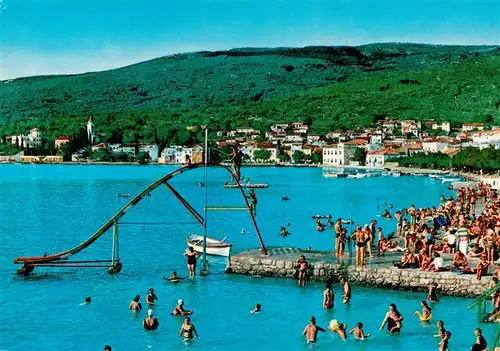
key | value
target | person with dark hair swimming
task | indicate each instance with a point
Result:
(135, 305)
(393, 319)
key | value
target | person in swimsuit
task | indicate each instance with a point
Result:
(399, 223)
(179, 309)
(480, 340)
(371, 235)
(135, 305)
(393, 320)
(191, 256)
(347, 291)
(107, 348)
(380, 242)
(253, 202)
(338, 233)
(311, 331)
(151, 297)
(237, 159)
(302, 266)
(443, 345)
(174, 278)
(187, 160)
(361, 239)
(339, 328)
(482, 267)
(441, 330)
(426, 314)
(284, 232)
(328, 297)
(150, 322)
(188, 329)
(358, 332)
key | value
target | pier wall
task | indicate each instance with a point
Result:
(465, 285)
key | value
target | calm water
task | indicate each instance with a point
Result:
(52, 208)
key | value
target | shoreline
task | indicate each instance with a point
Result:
(469, 176)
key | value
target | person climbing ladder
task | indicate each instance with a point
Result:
(237, 159)
(253, 202)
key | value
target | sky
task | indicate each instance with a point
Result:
(75, 36)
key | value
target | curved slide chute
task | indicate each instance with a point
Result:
(41, 260)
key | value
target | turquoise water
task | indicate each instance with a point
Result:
(50, 208)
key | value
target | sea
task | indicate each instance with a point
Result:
(51, 208)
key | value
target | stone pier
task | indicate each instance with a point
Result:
(378, 272)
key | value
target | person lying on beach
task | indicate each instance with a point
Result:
(358, 332)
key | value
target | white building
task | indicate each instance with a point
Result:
(279, 128)
(378, 158)
(150, 149)
(311, 138)
(338, 154)
(469, 127)
(376, 138)
(246, 130)
(486, 139)
(60, 141)
(175, 154)
(33, 139)
(444, 126)
(293, 138)
(434, 146)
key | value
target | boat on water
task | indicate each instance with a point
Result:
(449, 180)
(396, 174)
(357, 175)
(334, 175)
(214, 247)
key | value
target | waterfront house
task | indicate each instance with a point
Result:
(378, 158)
(60, 141)
(150, 149)
(339, 154)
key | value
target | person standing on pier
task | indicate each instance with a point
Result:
(338, 234)
(361, 240)
(302, 265)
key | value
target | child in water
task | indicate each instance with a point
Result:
(256, 309)
(358, 332)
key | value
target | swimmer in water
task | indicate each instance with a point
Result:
(284, 232)
(188, 330)
(88, 300)
(150, 322)
(174, 278)
(358, 332)
(393, 319)
(151, 297)
(107, 348)
(135, 305)
(339, 328)
(256, 309)
(441, 330)
(347, 291)
(191, 256)
(328, 297)
(311, 331)
(443, 345)
(179, 309)
(243, 231)
(426, 314)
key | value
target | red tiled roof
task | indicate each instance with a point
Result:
(450, 151)
(357, 142)
(63, 138)
(473, 124)
(384, 152)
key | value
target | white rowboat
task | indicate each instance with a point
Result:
(214, 247)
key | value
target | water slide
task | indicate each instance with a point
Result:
(164, 180)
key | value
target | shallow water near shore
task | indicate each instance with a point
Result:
(51, 208)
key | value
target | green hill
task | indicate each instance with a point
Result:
(330, 86)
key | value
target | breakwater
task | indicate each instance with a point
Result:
(378, 272)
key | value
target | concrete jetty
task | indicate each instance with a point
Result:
(378, 272)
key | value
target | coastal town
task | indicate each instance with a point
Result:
(284, 143)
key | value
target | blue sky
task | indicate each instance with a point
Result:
(73, 36)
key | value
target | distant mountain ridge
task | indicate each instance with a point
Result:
(187, 82)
